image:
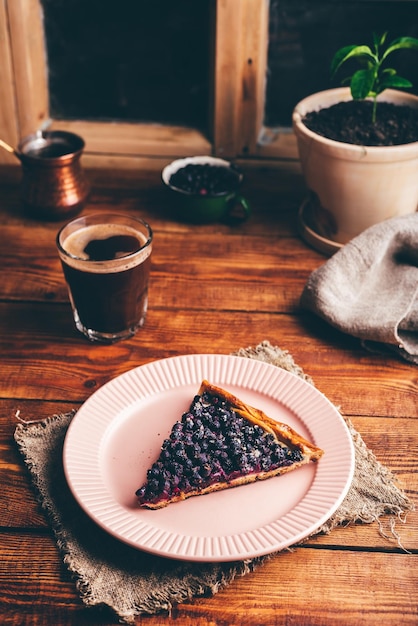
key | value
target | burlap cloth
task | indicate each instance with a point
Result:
(131, 582)
(369, 288)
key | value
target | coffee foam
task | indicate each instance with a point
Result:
(75, 243)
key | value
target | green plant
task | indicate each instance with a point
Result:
(373, 78)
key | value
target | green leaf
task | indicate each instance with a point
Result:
(389, 70)
(403, 43)
(394, 81)
(383, 39)
(349, 52)
(379, 40)
(362, 84)
(406, 42)
(339, 57)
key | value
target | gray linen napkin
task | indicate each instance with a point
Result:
(369, 288)
(131, 582)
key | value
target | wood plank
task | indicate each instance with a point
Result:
(34, 366)
(28, 52)
(8, 113)
(227, 76)
(124, 139)
(312, 586)
(240, 76)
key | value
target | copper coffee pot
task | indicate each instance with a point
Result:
(53, 182)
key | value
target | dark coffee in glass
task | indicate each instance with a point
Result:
(106, 262)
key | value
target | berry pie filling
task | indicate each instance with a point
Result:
(212, 444)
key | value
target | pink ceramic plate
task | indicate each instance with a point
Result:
(118, 432)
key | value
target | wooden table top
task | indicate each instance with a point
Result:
(214, 288)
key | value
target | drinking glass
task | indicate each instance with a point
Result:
(106, 260)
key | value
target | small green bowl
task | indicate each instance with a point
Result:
(228, 206)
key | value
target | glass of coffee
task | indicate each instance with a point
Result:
(106, 262)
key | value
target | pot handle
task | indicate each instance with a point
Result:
(238, 210)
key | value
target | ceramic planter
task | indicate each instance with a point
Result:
(353, 187)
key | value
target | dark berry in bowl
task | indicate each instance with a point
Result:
(205, 179)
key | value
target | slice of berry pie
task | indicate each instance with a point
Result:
(221, 442)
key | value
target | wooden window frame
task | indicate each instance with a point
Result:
(239, 69)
